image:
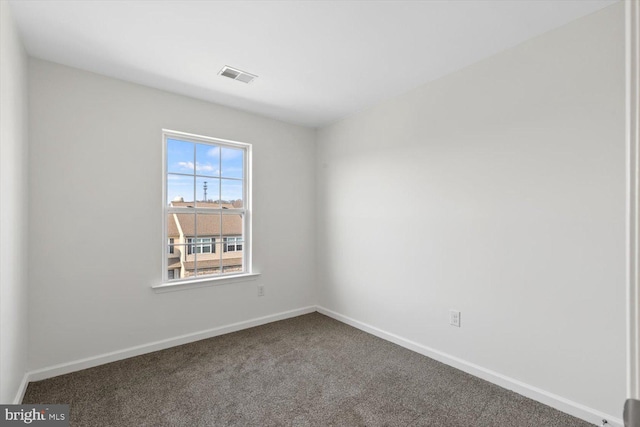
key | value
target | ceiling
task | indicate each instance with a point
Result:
(317, 61)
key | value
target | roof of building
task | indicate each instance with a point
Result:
(213, 263)
(172, 227)
(173, 263)
(207, 224)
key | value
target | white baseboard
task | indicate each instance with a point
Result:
(565, 405)
(22, 389)
(90, 362)
(558, 402)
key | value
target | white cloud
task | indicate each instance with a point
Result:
(198, 166)
(204, 168)
(213, 152)
(186, 165)
(230, 154)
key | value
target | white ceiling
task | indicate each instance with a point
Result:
(317, 61)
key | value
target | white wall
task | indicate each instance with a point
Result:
(499, 191)
(13, 208)
(95, 183)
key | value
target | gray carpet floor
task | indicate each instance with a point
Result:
(306, 371)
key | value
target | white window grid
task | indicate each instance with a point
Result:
(244, 212)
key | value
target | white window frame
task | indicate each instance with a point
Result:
(245, 211)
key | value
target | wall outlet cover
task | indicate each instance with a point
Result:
(454, 318)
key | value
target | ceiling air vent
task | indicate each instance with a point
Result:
(235, 74)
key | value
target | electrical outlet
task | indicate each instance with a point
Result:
(260, 290)
(454, 318)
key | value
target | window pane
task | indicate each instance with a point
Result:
(208, 225)
(184, 223)
(207, 192)
(175, 251)
(179, 190)
(173, 235)
(219, 251)
(204, 245)
(232, 230)
(231, 193)
(180, 156)
(208, 266)
(232, 162)
(232, 265)
(201, 245)
(208, 231)
(207, 160)
(232, 226)
(232, 244)
(174, 261)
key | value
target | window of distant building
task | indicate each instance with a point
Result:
(206, 208)
(201, 245)
(232, 244)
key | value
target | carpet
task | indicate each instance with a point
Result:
(310, 370)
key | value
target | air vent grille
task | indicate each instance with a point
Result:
(235, 74)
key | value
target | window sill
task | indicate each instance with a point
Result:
(205, 282)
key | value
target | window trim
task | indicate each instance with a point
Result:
(246, 211)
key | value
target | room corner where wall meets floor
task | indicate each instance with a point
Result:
(497, 191)
(306, 370)
(67, 105)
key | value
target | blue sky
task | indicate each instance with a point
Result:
(212, 164)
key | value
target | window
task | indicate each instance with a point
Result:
(206, 207)
(205, 245)
(232, 244)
